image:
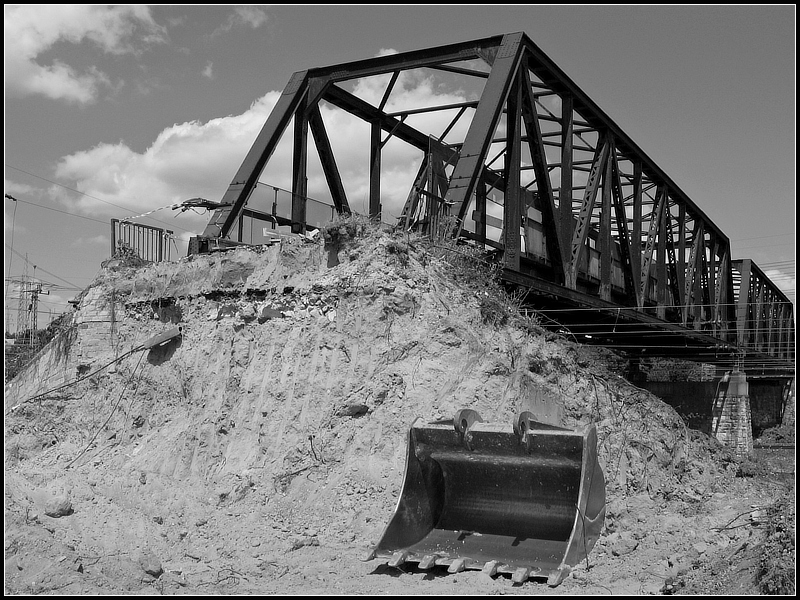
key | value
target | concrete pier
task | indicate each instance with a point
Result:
(730, 414)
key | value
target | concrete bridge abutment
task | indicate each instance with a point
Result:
(733, 406)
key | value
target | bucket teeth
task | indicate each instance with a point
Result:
(369, 556)
(398, 558)
(521, 575)
(457, 566)
(502, 498)
(490, 568)
(556, 577)
(428, 561)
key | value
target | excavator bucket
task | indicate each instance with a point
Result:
(527, 498)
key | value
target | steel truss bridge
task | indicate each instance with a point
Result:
(525, 165)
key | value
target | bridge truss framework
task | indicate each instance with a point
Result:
(602, 239)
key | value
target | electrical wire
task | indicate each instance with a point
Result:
(111, 414)
(72, 285)
(76, 381)
(77, 192)
(63, 212)
(13, 223)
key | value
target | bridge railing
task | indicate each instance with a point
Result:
(148, 243)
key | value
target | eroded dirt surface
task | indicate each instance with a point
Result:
(262, 451)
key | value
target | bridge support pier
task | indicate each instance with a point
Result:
(731, 416)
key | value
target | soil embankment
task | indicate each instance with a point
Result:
(262, 449)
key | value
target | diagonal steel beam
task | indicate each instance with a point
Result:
(550, 221)
(247, 176)
(655, 223)
(585, 214)
(328, 161)
(476, 144)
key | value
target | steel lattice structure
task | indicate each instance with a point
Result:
(604, 241)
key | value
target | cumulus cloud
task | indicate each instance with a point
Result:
(208, 71)
(12, 188)
(200, 159)
(186, 160)
(243, 16)
(30, 32)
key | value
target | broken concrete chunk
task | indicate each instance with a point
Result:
(352, 410)
(301, 541)
(58, 506)
(267, 313)
(623, 547)
(150, 564)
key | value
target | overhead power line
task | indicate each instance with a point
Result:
(25, 258)
(83, 194)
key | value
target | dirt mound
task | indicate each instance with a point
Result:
(263, 448)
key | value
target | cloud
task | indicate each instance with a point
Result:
(243, 16)
(97, 240)
(200, 159)
(30, 32)
(14, 188)
(186, 160)
(208, 71)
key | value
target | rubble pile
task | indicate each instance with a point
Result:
(263, 449)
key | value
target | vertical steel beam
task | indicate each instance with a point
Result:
(375, 171)
(770, 320)
(743, 304)
(691, 268)
(565, 190)
(787, 329)
(727, 308)
(725, 293)
(480, 207)
(300, 171)
(672, 261)
(430, 201)
(713, 292)
(247, 176)
(479, 137)
(512, 209)
(680, 266)
(699, 265)
(328, 161)
(606, 247)
(623, 234)
(661, 257)
(758, 327)
(636, 233)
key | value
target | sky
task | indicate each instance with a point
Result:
(116, 111)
